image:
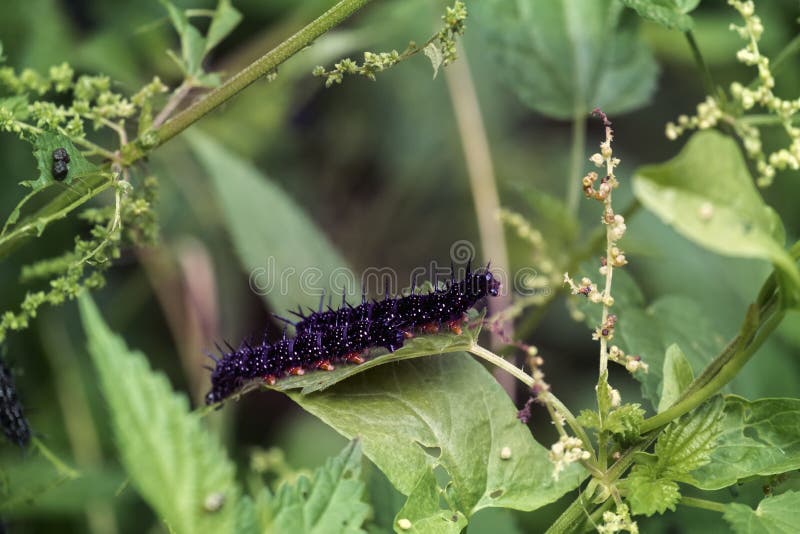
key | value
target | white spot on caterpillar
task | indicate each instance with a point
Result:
(505, 453)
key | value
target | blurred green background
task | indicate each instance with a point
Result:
(379, 167)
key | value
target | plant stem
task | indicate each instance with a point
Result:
(703, 504)
(260, 67)
(708, 80)
(482, 180)
(576, 161)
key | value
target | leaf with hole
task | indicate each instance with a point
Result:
(449, 414)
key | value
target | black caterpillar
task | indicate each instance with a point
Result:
(12, 420)
(325, 338)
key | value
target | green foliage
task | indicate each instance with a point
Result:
(774, 515)
(684, 446)
(672, 14)
(759, 437)
(195, 47)
(713, 202)
(677, 375)
(444, 413)
(272, 234)
(329, 502)
(177, 467)
(563, 59)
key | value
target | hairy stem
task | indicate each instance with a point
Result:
(702, 504)
(264, 65)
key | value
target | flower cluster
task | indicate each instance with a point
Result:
(566, 451)
(441, 49)
(618, 521)
(745, 98)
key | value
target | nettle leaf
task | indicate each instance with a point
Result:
(44, 145)
(671, 14)
(625, 421)
(677, 375)
(175, 464)
(759, 437)
(686, 444)
(561, 65)
(649, 494)
(421, 346)
(774, 515)
(193, 44)
(290, 260)
(328, 503)
(713, 202)
(446, 414)
(225, 19)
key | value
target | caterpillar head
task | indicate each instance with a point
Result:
(485, 283)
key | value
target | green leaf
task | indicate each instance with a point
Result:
(329, 503)
(176, 466)
(713, 202)
(225, 19)
(671, 14)
(678, 375)
(433, 53)
(648, 495)
(625, 421)
(44, 145)
(565, 58)
(289, 259)
(759, 437)
(669, 320)
(774, 515)
(686, 444)
(423, 506)
(193, 44)
(446, 414)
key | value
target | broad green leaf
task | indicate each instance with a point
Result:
(672, 14)
(563, 59)
(759, 437)
(225, 19)
(193, 44)
(329, 503)
(44, 145)
(446, 413)
(175, 464)
(774, 515)
(669, 320)
(713, 202)
(428, 345)
(677, 375)
(289, 259)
